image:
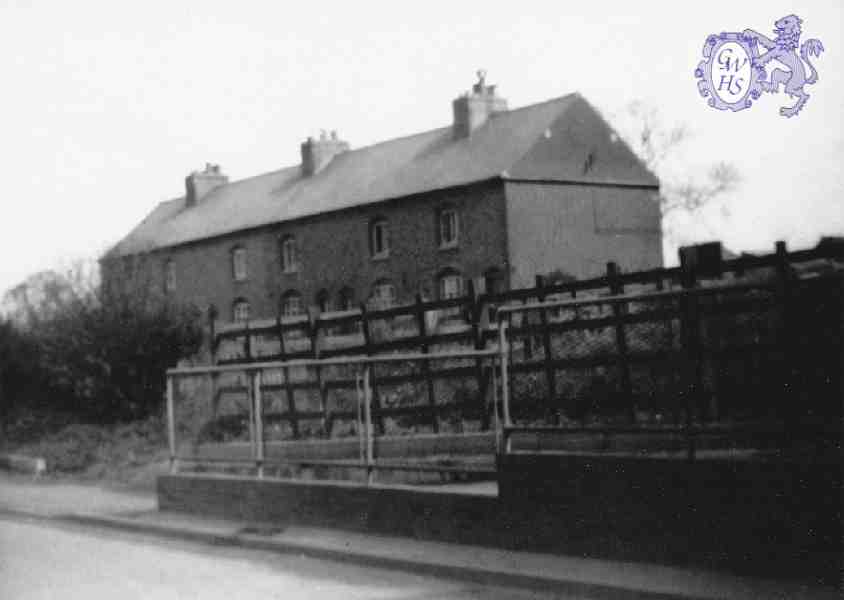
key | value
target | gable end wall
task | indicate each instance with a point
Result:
(578, 228)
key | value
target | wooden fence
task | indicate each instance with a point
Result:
(682, 340)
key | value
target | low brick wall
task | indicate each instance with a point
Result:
(384, 509)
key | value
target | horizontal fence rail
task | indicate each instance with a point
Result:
(346, 360)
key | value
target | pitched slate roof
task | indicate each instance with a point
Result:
(542, 141)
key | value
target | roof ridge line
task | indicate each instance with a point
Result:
(408, 136)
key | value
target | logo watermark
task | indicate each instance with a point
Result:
(733, 73)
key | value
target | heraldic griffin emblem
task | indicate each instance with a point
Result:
(733, 73)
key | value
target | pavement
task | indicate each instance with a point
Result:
(132, 511)
(40, 559)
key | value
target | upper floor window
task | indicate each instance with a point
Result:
(379, 238)
(291, 304)
(449, 227)
(384, 294)
(240, 310)
(289, 262)
(239, 264)
(170, 276)
(451, 285)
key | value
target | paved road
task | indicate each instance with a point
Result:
(45, 560)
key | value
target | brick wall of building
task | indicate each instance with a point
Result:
(334, 253)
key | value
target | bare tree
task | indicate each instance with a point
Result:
(656, 142)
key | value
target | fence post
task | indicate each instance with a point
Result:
(791, 397)
(426, 367)
(291, 401)
(360, 425)
(171, 425)
(690, 340)
(505, 384)
(546, 346)
(497, 419)
(212, 329)
(212, 332)
(619, 310)
(247, 342)
(259, 422)
(475, 309)
(367, 412)
(313, 326)
(367, 341)
(250, 397)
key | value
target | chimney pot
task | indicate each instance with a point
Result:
(472, 109)
(316, 154)
(200, 183)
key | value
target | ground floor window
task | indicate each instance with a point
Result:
(323, 301)
(291, 304)
(384, 294)
(240, 310)
(451, 285)
(493, 281)
(346, 299)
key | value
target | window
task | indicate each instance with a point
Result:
(493, 281)
(323, 301)
(451, 285)
(383, 294)
(239, 264)
(345, 302)
(240, 310)
(346, 299)
(291, 304)
(449, 228)
(379, 238)
(170, 276)
(289, 262)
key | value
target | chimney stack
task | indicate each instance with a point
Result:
(472, 109)
(199, 183)
(316, 154)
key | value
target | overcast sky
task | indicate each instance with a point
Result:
(108, 105)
